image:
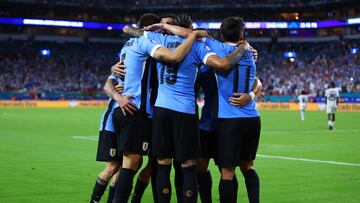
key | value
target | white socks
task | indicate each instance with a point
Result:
(302, 115)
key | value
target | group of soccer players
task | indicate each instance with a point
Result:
(152, 110)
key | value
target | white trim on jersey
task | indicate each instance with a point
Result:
(207, 56)
(146, 34)
(156, 47)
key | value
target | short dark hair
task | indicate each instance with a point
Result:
(168, 16)
(183, 20)
(332, 84)
(231, 28)
(148, 19)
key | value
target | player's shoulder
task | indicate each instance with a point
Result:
(201, 46)
(157, 34)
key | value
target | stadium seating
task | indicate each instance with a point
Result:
(78, 70)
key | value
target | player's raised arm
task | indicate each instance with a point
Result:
(173, 29)
(229, 60)
(133, 31)
(177, 55)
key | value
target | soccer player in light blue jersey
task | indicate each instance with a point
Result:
(107, 144)
(239, 128)
(175, 129)
(209, 128)
(208, 121)
(132, 114)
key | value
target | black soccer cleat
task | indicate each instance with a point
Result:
(331, 127)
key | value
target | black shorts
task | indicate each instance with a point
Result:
(208, 144)
(107, 147)
(175, 135)
(238, 140)
(133, 131)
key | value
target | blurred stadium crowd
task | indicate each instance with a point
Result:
(77, 67)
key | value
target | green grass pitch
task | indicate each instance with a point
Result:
(42, 162)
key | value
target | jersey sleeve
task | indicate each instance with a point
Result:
(148, 46)
(203, 52)
(326, 93)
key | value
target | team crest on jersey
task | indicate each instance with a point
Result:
(112, 152)
(145, 146)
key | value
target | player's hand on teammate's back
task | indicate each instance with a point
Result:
(119, 69)
(240, 99)
(255, 53)
(244, 45)
(119, 88)
(200, 33)
(126, 105)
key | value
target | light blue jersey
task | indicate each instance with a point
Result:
(136, 53)
(106, 123)
(239, 78)
(177, 81)
(206, 80)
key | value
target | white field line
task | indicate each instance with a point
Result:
(95, 138)
(307, 131)
(308, 160)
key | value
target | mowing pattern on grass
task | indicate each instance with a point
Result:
(42, 162)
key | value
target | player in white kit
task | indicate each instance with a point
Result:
(332, 99)
(303, 100)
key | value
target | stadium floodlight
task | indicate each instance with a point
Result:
(354, 50)
(353, 21)
(292, 59)
(289, 54)
(45, 52)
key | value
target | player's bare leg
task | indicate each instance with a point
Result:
(103, 179)
(131, 163)
(163, 185)
(333, 120)
(204, 179)
(251, 180)
(226, 186)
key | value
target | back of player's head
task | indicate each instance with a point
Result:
(168, 19)
(332, 85)
(148, 19)
(183, 20)
(232, 29)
